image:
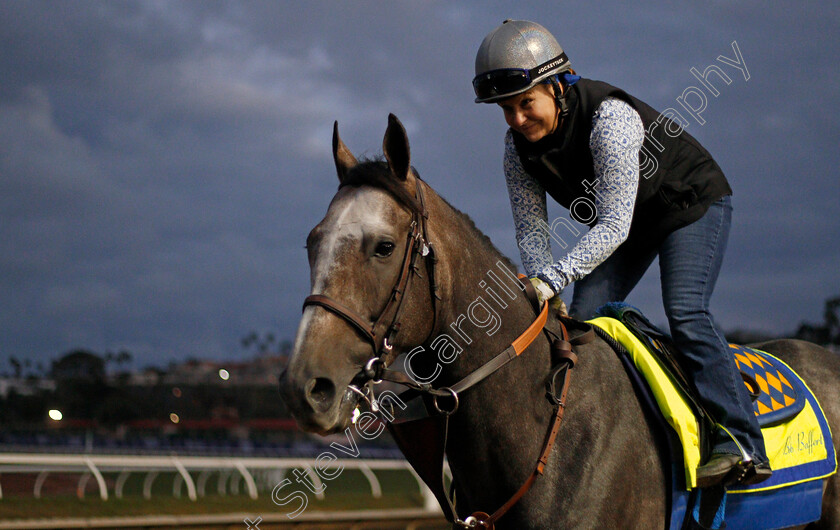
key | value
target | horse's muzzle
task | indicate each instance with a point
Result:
(320, 394)
(316, 405)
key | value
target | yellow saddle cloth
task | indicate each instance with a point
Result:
(796, 434)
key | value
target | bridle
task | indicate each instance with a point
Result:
(380, 335)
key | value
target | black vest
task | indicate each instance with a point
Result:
(678, 179)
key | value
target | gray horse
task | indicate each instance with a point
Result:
(607, 469)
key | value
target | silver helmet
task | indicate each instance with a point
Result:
(513, 58)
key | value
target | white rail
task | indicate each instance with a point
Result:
(94, 465)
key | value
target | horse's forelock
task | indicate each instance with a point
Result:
(376, 173)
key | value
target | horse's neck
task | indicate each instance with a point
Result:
(505, 416)
(484, 308)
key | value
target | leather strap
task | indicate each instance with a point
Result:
(533, 330)
(489, 522)
(565, 359)
(421, 458)
(586, 337)
(519, 345)
(530, 292)
(348, 314)
(508, 354)
(755, 389)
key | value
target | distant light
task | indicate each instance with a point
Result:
(174, 418)
(176, 392)
(224, 374)
(55, 414)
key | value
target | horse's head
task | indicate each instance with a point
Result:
(367, 245)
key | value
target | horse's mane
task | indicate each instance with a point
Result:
(375, 172)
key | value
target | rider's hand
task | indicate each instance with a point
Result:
(545, 292)
(558, 305)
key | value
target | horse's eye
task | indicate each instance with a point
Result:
(384, 249)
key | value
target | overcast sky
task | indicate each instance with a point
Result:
(161, 163)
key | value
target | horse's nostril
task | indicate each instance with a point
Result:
(320, 393)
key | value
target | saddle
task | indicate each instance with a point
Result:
(796, 434)
(776, 395)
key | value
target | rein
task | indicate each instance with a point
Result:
(415, 436)
(429, 463)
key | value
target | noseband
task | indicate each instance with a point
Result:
(379, 334)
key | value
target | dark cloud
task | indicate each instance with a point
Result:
(162, 163)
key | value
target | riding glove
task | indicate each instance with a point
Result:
(545, 292)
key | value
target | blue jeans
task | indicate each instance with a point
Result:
(689, 262)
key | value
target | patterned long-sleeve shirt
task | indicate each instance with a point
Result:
(617, 135)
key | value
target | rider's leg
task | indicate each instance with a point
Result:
(690, 259)
(612, 280)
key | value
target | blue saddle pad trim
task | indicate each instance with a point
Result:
(780, 508)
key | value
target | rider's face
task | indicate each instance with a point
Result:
(533, 114)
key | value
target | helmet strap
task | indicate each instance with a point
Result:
(560, 98)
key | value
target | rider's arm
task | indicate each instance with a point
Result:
(527, 200)
(617, 136)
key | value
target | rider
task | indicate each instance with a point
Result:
(586, 143)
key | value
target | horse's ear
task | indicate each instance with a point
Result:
(344, 159)
(395, 147)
